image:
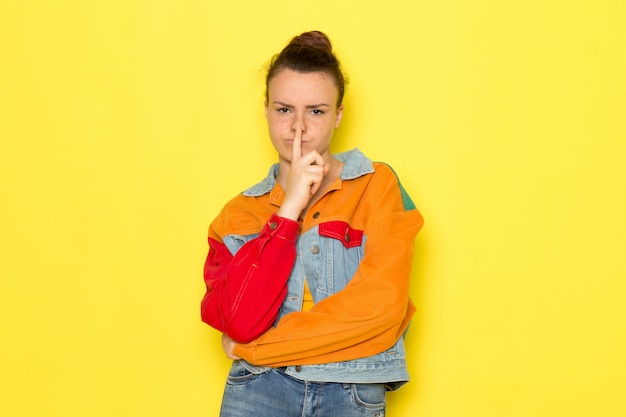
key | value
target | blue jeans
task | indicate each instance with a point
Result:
(273, 393)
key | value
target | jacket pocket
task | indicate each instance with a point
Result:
(342, 231)
(241, 375)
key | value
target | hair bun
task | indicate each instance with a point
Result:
(308, 52)
(315, 39)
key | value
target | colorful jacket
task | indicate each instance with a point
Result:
(354, 247)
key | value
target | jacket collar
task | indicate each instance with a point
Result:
(355, 165)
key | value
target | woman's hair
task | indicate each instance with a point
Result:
(308, 52)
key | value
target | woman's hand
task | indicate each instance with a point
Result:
(306, 174)
(228, 345)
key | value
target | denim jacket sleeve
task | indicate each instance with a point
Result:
(245, 291)
(370, 314)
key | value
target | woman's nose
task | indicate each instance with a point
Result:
(298, 123)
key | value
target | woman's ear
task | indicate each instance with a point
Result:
(338, 116)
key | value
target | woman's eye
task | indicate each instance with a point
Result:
(317, 112)
(283, 110)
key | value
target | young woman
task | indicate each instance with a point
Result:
(308, 271)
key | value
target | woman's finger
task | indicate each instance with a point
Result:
(296, 145)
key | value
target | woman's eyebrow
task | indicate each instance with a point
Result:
(310, 106)
(281, 104)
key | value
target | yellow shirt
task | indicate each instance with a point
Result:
(307, 298)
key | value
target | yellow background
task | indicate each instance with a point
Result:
(126, 125)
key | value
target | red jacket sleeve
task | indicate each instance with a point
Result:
(245, 291)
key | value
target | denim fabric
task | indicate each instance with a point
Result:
(274, 393)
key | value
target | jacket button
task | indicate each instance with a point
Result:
(273, 225)
(316, 214)
(315, 250)
(298, 368)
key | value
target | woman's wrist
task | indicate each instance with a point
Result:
(289, 212)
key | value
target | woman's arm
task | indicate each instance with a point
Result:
(245, 291)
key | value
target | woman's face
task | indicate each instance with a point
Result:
(306, 101)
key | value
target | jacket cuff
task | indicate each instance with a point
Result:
(282, 228)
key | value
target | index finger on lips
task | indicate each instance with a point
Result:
(296, 145)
